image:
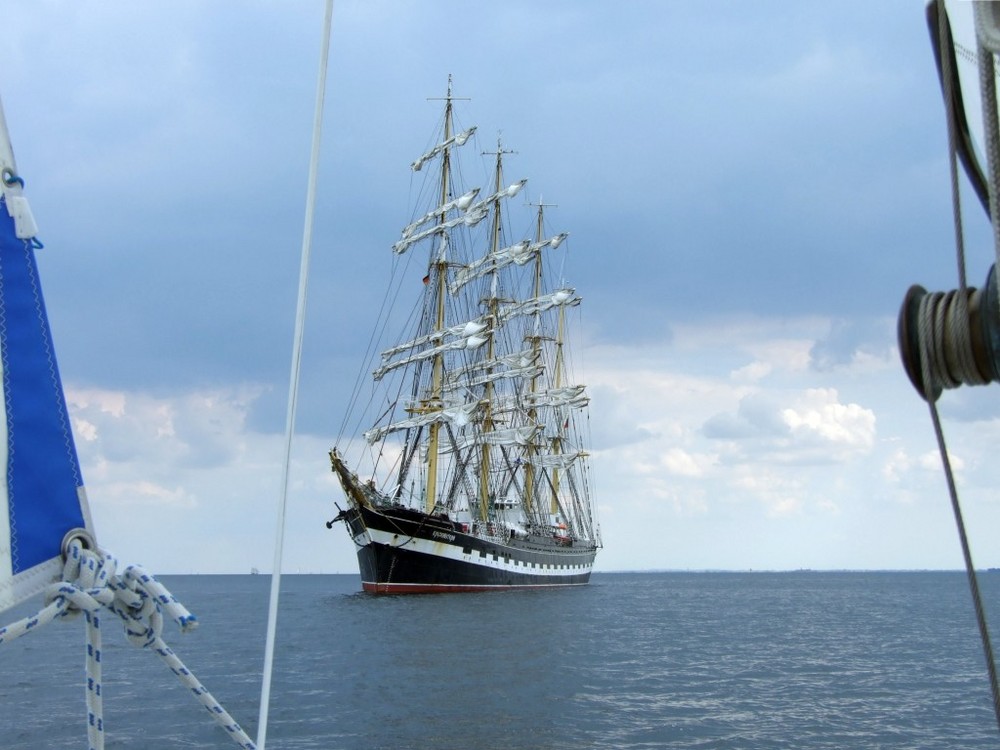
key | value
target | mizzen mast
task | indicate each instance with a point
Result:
(556, 440)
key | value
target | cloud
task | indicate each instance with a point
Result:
(195, 429)
(758, 416)
(619, 426)
(859, 344)
(974, 405)
(896, 466)
(931, 461)
(179, 482)
(813, 428)
(133, 496)
(780, 495)
(820, 419)
(680, 462)
(752, 372)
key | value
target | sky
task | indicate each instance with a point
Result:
(750, 189)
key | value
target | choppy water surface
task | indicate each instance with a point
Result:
(685, 660)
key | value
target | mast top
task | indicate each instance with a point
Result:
(449, 97)
(541, 204)
(500, 149)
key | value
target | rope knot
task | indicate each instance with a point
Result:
(85, 582)
(90, 583)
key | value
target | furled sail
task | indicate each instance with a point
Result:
(458, 415)
(524, 373)
(469, 219)
(524, 365)
(518, 360)
(465, 330)
(42, 497)
(512, 436)
(561, 461)
(559, 298)
(569, 395)
(455, 140)
(461, 203)
(519, 254)
(508, 192)
(470, 336)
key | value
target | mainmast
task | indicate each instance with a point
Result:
(536, 348)
(493, 313)
(530, 481)
(439, 277)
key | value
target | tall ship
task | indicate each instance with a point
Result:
(471, 470)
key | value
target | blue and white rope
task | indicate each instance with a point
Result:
(90, 586)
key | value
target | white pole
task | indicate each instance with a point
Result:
(293, 384)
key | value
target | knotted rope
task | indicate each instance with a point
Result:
(91, 586)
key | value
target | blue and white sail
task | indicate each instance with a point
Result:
(42, 498)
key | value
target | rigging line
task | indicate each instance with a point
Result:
(970, 571)
(293, 384)
(371, 351)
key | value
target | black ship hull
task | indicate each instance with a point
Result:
(402, 551)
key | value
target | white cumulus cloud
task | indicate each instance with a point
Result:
(820, 417)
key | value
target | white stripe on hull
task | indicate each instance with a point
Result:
(426, 588)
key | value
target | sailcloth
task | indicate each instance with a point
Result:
(41, 491)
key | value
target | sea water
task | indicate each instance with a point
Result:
(645, 660)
